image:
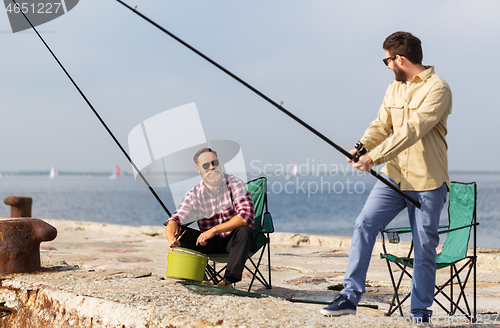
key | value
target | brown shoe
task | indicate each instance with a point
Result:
(225, 283)
(208, 283)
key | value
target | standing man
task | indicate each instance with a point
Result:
(411, 123)
(225, 213)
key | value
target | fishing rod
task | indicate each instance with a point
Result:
(96, 114)
(272, 102)
(300, 300)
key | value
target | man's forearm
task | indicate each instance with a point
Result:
(170, 230)
(230, 225)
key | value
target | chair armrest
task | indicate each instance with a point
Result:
(407, 229)
(457, 228)
(267, 223)
(398, 230)
(393, 233)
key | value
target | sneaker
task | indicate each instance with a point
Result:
(340, 306)
(225, 283)
(206, 280)
(426, 318)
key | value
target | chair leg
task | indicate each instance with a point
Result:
(219, 277)
(269, 259)
(257, 272)
(210, 273)
(439, 289)
(462, 289)
(454, 305)
(475, 266)
(451, 291)
(391, 304)
(253, 275)
(213, 274)
(261, 279)
(396, 289)
(395, 296)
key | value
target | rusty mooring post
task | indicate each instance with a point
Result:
(20, 244)
(20, 207)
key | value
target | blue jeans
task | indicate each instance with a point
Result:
(381, 207)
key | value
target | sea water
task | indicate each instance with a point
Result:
(323, 205)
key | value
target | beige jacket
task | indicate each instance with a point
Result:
(409, 132)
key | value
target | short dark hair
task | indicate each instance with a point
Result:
(404, 43)
(201, 151)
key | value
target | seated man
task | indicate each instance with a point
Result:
(225, 214)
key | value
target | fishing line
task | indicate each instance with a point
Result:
(281, 108)
(96, 114)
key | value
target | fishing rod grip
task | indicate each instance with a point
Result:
(360, 151)
(354, 158)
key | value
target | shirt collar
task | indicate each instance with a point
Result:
(204, 188)
(425, 74)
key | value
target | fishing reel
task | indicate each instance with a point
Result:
(360, 150)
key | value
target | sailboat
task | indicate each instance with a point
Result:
(53, 173)
(293, 169)
(116, 174)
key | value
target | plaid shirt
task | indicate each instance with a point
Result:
(232, 199)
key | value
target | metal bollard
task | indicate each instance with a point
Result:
(20, 207)
(20, 244)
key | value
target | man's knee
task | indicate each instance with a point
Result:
(366, 224)
(244, 232)
(243, 235)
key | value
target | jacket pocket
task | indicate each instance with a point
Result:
(396, 115)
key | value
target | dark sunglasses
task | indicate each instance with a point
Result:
(214, 163)
(386, 60)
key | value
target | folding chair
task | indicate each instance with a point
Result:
(263, 227)
(462, 217)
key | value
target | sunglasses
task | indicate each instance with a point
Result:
(386, 60)
(206, 165)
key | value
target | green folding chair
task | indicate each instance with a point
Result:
(263, 227)
(462, 217)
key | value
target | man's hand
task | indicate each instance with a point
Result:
(170, 230)
(173, 243)
(364, 163)
(352, 152)
(204, 236)
(230, 225)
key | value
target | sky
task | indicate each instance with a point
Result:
(323, 59)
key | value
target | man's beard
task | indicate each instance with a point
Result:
(399, 74)
(213, 178)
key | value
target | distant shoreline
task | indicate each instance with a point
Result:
(129, 173)
(60, 173)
